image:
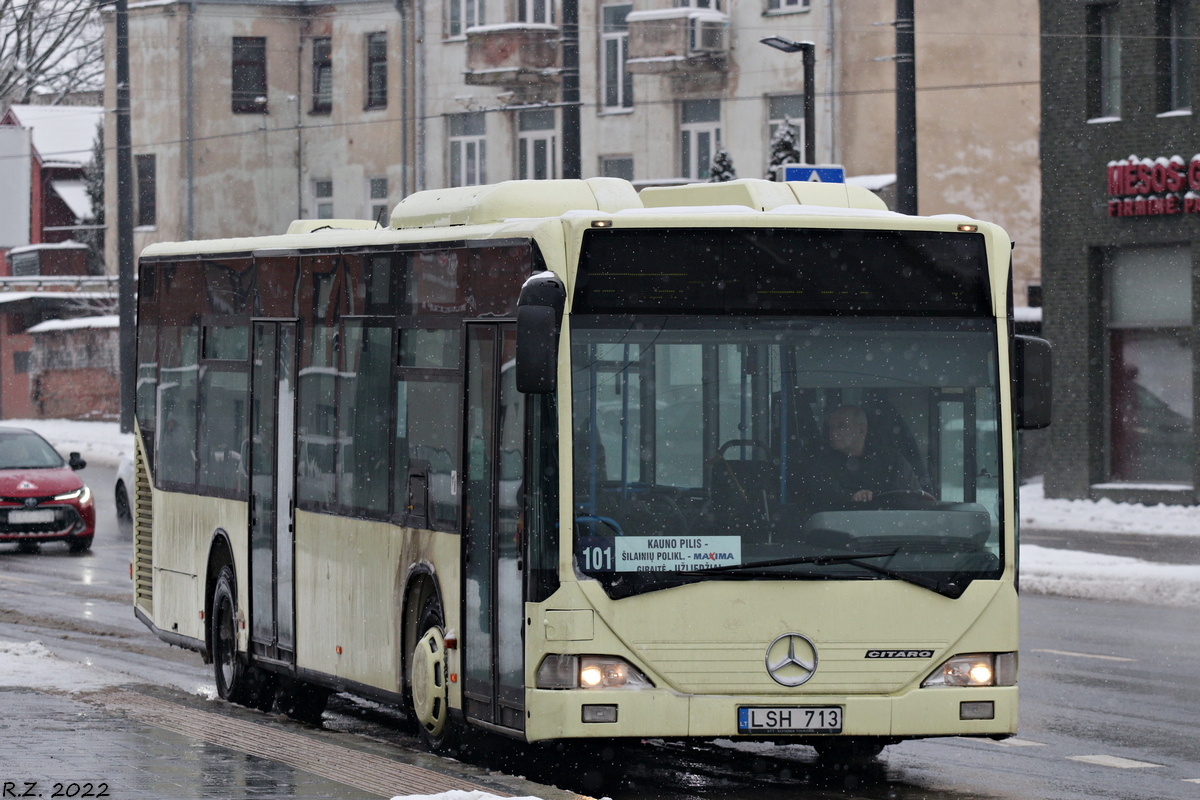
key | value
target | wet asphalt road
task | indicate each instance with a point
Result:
(1110, 709)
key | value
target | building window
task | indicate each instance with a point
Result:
(322, 70)
(699, 136)
(323, 197)
(616, 82)
(1150, 364)
(789, 107)
(787, 5)
(377, 195)
(21, 362)
(249, 75)
(376, 70)
(616, 167)
(537, 158)
(147, 192)
(715, 5)
(1103, 62)
(536, 11)
(1174, 56)
(468, 149)
(463, 14)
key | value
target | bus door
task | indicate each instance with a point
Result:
(272, 491)
(493, 607)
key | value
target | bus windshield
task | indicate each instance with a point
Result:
(824, 448)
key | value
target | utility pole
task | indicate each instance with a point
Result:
(906, 109)
(125, 277)
(572, 147)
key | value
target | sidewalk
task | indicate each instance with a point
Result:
(59, 739)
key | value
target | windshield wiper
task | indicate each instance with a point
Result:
(827, 558)
(951, 588)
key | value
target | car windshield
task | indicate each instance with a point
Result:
(822, 448)
(26, 450)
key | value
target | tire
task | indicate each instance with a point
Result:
(237, 681)
(428, 684)
(228, 669)
(124, 510)
(836, 752)
(80, 544)
(302, 701)
(124, 513)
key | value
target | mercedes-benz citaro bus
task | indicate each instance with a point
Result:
(563, 461)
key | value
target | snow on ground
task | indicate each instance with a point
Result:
(1105, 516)
(1094, 576)
(97, 442)
(30, 664)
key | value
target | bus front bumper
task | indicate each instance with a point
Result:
(654, 713)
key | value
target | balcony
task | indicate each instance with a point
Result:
(675, 40)
(513, 55)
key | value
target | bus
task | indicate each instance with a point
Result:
(559, 460)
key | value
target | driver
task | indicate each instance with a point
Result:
(853, 471)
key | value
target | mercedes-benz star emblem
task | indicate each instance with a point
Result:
(791, 659)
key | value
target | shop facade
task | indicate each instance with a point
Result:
(1121, 248)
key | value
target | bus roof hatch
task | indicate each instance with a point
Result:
(481, 205)
(762, 195)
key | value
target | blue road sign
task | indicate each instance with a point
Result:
(821, 173)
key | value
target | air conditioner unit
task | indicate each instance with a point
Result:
(707, 35)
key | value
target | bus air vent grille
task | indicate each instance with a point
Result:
(143, 538)
(740, 668)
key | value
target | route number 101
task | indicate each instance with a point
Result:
(598, 559)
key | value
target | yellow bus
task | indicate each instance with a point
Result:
(561, 460)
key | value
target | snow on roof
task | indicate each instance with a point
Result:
(67, 245)
(16, 297)
(53, 325)
(61, 133)
(1027, 313)
(872, 182)
(74, 194)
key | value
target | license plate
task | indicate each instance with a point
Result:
(790, 719)
(23, 517)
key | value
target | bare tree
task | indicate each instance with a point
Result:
(49, 47)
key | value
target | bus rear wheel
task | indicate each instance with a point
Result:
(237, 681)
(429, 690)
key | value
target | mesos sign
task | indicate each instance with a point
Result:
(1141, 187)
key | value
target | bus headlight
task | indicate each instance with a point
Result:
(590, 672)
(978, 669)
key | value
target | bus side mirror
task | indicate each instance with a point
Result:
(539, 322)
(1031, 382)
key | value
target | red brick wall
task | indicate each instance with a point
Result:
(91, 393)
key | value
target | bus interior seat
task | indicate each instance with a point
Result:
(745, 493)
(888, 430)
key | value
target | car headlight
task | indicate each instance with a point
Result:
(977, 669)
(589, 672)
(83, 495)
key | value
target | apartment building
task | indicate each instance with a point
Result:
(248, 115)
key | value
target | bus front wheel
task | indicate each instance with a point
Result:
(847, 751)
(429, 684)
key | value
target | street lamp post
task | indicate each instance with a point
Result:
(810, 67)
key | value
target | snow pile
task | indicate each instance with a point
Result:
(97, 442)
(1094, 576)
(458, 795)
(31, 665)
(1105, 516)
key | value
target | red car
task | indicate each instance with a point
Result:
(41, 497)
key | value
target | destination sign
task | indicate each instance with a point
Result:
(658, 553)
